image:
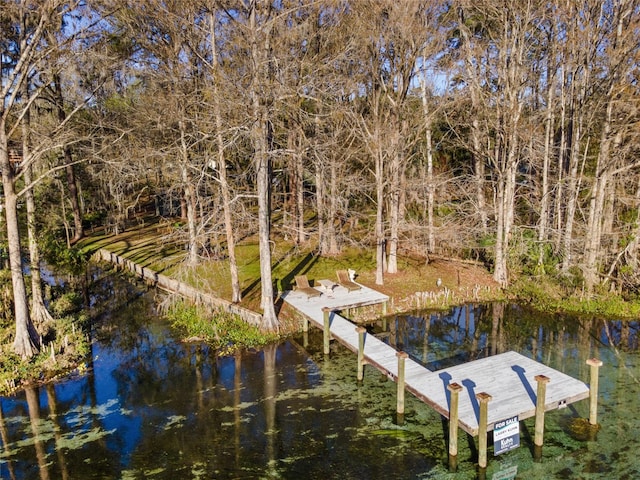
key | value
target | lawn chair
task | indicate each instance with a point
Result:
(302, 285)
(345, 281)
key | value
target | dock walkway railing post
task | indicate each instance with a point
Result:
(361, 332)
(326, 330)
(595, 365)
(455, 389)
(484, 399)
(541, 396)
(402, 356)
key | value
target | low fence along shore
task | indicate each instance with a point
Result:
(172, 285)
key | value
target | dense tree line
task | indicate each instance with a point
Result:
(505, 131)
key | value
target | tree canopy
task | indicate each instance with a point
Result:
(503, 131)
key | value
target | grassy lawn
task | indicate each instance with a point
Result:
(151, 245)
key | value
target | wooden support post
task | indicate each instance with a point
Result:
(484, 399)
(326, 332)
(454, 388)
(402, 356)
(305, 331)
(541, 397)
(595, 365)
(384, 308)
(361, 332)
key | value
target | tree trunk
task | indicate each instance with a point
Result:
(431, 240)
(558, 212)
(323, 245)
(301, 236)
(500, 261)
(189, 199)
(236, 292)
(269, 321)
(609, 143)
(509, 111)
(573, 191)
(379, 227)
(72, 184)
(579, 78)
(26, 342)
(259, 140)
(295, 203)
(39, 314)
(597, 203)
(546, 163)
(394, 189)
(476, 135)
(333, 208)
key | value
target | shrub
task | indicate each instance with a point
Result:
(220, 329)
(70, 347)
(66, 304)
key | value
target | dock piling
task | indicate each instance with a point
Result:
(326, 330)
(454, 388)
(595, 365)
(541, 396)
(305, 331)
(484, 399)
(361, 332)
(402, 356)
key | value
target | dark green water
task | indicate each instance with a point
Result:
(152, 407)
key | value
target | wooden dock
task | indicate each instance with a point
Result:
(509, 378)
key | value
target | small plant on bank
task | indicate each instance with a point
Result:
(64, 349)
(548, 294)
(220, 329)
(66, 304)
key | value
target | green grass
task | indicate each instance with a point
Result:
(547, 295)
(222, 330)
(149, 245)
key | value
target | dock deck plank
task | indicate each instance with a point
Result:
(508, 377)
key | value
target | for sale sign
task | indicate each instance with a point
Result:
(506, 435)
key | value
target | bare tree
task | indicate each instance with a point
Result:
(14, 71)
(619, 59)
(260, 28)
(39, 313)
(497, 71)
(390, 39)
(236, 295)
(28, 56)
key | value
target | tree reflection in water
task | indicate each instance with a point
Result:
(153, 406)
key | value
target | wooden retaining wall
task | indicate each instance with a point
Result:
(180, 288)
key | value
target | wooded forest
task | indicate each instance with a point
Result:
(504, 131)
